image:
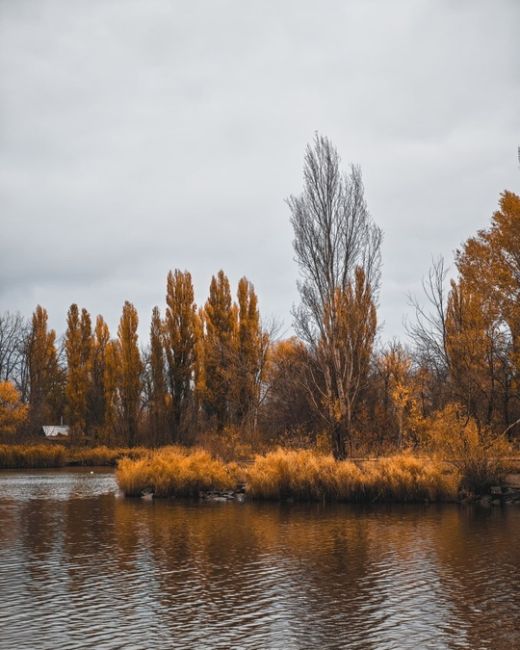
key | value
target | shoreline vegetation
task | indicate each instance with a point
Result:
(308, 475)
(39, 456)
(280, 474)
(243, 408)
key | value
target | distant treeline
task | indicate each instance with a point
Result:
(202, 367)
(216, 367)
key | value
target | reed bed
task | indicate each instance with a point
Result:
(406, 477)
(174, 471)
(301, 475)
(57, 455)
(103, 456)
(304, 475)
(32, 456)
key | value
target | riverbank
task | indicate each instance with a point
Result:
(300, 475)
(305, 475)
(57, 455)
(281, 475)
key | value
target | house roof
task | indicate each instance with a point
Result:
(51, 431)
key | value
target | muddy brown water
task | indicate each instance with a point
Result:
(81, 567)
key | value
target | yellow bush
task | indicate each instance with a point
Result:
(12, 412)
(479, 455)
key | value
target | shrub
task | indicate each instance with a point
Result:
(478, 454)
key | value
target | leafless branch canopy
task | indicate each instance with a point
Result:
(334, 234)
(428, 333)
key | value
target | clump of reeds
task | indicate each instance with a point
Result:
(406, 477)
(301, 474)
(173, 471)
(305, 475)
(28, 456)
(57, 455)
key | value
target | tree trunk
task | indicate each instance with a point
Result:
(339, 436)
(400, 429)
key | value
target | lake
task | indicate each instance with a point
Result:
(82, 567)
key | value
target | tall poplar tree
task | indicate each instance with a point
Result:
(250, 346)
(78, 348)
(180, 328)
(99, 353)
(130, 371)
(220, 318)
(45, 376)
(157, 378)
(111, 383)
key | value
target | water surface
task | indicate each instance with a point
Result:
(81, 567)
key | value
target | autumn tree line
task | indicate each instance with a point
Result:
(209, 369)
(202, 367)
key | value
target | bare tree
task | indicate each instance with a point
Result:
(429, 331)
(14, 332)
(337, 248)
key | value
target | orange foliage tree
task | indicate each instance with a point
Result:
(111, 385)
(45, 376)
(220, 328)
(157, 390)
(130, 368)
(489, 267)
(12, 412)
(250, 358)
(395, 365)
(78, 348)
(97, 402)
(180, 329)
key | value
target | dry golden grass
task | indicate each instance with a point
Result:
(57, 455)
(406, 477)
(98, 456)
(27, 456)
(174, 471)
(298, 474)
(282, 474)
(305, 475)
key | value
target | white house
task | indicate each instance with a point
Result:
(54, 431)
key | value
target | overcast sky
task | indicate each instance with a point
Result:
(137, 136)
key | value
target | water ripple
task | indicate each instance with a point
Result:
(81, 568)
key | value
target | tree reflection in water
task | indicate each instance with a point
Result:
(85, 568)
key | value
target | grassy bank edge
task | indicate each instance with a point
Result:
(298, 475)
(56, 455)
(282, 474)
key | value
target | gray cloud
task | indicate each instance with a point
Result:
(140, 136)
